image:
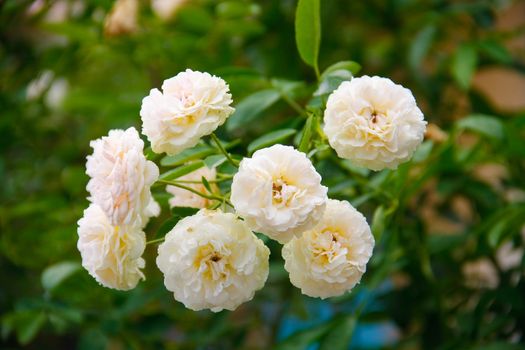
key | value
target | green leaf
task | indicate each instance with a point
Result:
(215, 160)
(307, 134)
(249, 108)
(339, 337)
(62, 317)
(57, 273)
(206, 184)
(308, 31)
(236, 9)
(197, 152)
(30, 327)
(181, 171)
(343, 188)
(331, 81)
(496, 232)
(348, 165)
(184, 211)
(440, 243)
(505, 221)
(178, 213)
(420, 46)
(150, 155)
(423, 151)
(496, 51)
(270, 139)
(93, 339)
(290, 88)
(487, 125)
(378, 222)
(300, 340)
(350, 66)
(167, 225)
(464, 65)
(25, 323)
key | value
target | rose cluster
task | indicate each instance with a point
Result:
(213, 259)
(111, 237)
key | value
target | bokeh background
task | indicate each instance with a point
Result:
(448, 272)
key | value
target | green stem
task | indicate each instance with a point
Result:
(293, 104)
(216, 205)
(155, 241)
(199, 182)
(223, 151)
(222, 176)
(203, 195)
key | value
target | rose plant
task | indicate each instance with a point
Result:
(213, 258)
(430, 256)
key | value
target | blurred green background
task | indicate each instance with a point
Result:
(448, 272)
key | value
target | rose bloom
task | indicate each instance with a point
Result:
(121, 178)
(185, 198)
(111, 254)
(278, 192)
(122, 19)
(212, 260)
(166, 9)
(373, 122)
(330, 259)
(190, 106)
(480, 274)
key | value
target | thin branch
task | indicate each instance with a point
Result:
(187, 188)
(293, 104)
(155, 241)
(203, 195)
(222, 176)
(200, 182)
(216, 205)
(223, 151)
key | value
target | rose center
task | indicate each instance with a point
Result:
(184, 120)
(374, 117)
(211, 263)
(276, 192)
(282, 192)
(327, 246)
(331, 234)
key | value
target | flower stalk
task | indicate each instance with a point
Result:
(223, 150)
(203, 195)
(154, 241)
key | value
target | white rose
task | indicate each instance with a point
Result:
(190, 106)
(121, 178)
(330, 259)
(123, 18)
(278, 192)
(373, 122)
(185, 198)
(165, 9)
(37, 86)
(57, 93)
(212, 260)
(111, 254)
(480, 273)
